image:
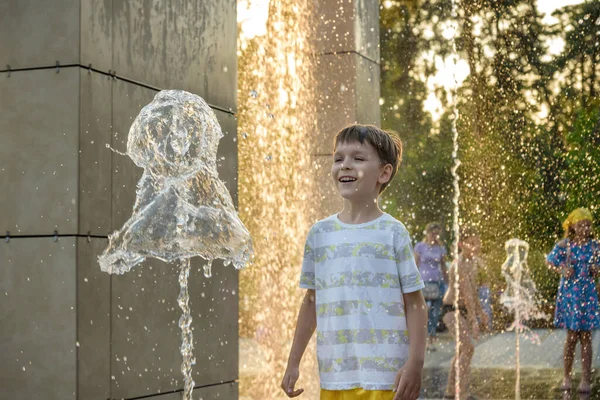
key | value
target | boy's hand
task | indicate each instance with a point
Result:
(408, 381)
(289, 381)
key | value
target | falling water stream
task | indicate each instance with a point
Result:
(185, 323)
(182, 209)
(456, 196)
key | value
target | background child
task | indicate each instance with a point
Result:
(576, 258)
(470, 313)
(364, 289)
(430, 256)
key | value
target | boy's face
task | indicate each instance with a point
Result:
(357, 171)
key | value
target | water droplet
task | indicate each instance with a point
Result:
(208, 270)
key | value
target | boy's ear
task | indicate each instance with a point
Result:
(386, 174)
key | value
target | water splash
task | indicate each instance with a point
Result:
(208, 269)
(182, 209)
(519, 297)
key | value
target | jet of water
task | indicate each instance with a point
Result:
(456, 196)
(519, 296)
(182, 209)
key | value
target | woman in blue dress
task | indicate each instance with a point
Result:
(576, 258)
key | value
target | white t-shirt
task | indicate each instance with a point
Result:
(359, 273)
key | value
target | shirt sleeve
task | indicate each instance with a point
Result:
(419, 248)
(307, 276)
(558, 254)
(410, 278)
(444, 251)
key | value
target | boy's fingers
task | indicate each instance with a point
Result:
(413, 393)
(296, 393)
(397, 380)
(400, 390)
(287, 386)
(397, 388)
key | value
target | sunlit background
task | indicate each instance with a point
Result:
(525, 74)
(276, 129)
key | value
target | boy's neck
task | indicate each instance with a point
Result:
(359, 212)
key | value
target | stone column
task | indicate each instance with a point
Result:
(348, 78)
(73, 75)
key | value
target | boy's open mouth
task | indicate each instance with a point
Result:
(346, 179)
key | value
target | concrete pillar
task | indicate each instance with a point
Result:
(348, 77)
(73, 75)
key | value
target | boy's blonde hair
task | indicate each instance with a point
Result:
(387, 144)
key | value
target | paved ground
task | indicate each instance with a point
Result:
(498, 351)
(493, 366)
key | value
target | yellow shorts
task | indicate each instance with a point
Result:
(357, 394)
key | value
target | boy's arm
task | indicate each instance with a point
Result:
(408, 379)
(305, 327)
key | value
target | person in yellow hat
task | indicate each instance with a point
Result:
(577, 258)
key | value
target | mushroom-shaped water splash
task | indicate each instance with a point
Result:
(182, 209)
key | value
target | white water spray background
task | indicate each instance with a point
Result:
(182, 208)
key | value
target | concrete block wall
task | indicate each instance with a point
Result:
(73, 75)
(348, 74)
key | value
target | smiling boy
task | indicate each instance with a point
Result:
(363, 287)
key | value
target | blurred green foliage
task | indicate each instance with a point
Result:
(529, 121)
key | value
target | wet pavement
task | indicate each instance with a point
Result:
(494, 367)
